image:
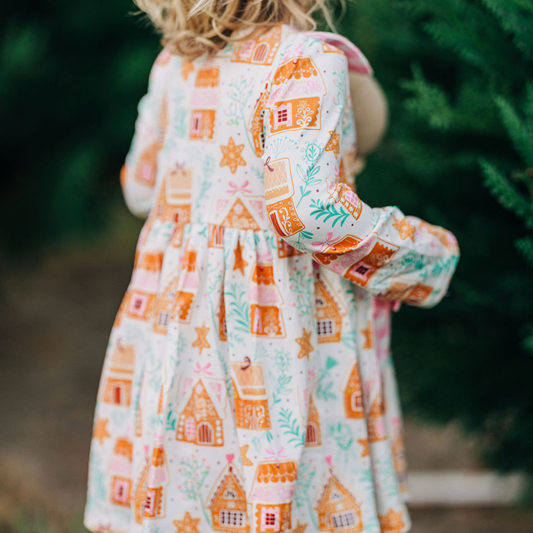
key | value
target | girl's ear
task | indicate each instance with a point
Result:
(370, 111)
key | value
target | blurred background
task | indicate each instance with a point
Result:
(459, 153)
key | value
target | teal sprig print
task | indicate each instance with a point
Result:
(239, 308)
(309, 179)
(324, 386)
(329, 211)
(282, 377)
(239, 93)
(291, 427)
(301, 284)
(302, 494)
(195, 473)
(172, 419)
(281, 145)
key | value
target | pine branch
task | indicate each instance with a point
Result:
(506, 193)
(520, 132)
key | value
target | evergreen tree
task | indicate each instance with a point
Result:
(459, 76)
(71, 74)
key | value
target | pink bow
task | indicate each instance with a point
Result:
(267, 164)
(233, 187)
(198, 369)
(275, 455)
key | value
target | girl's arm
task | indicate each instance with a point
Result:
(138, 175)
(390, 255)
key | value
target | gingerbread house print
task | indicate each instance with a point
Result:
(295, 112)
(313, 433)
(265, 299)
(328, 311)
(140, 490)
(380, 254)
(400, 460)
(257, 123)
(353, 395)
(119, 376)
(337, 509)
(216, 236)
(157, 479)
(260, 51)
(240, 211)
(333, 251)
(286, 250)
(146, 272)
(279, 190)
(204, 104)
(120, 470)
(146, 170)
(164, 306)
(271, 496)
(250, 396)
(173, 203)
(227, 502)
(376, 425)
(200, 422)
(419, 294)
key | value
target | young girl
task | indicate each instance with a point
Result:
(247, 385)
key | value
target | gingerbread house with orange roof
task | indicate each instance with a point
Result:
(260, 51)
(227, 502)
(329, 311)
(250, 396)
(200, 422)
(289, 109)
(146, 169)
(284, 249)
(204, 103)
(265, 299)
(173, 203)
(376, 424)
(380, 254)
(140, 491)
(336, 507)
(313, 434)
(156, 482)
(353, 395)
(279, 192)
(120, 471)
(119, 375)
(239, 210)
(271, 496)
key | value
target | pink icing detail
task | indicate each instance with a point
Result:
(230, 457)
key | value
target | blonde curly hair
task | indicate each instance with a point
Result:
(191, 28)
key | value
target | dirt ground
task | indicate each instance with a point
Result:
(55, 318)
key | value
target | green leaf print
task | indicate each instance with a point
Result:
(329, 211)
(281, 145)
(308, 178)
(239, 93)
(291, 427)
(195, 473)
(239, 310)
(325, 386)
(301, 285)
(171, 418)
(302, 493)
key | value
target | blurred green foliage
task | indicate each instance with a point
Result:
(459, 78)
(71, 74)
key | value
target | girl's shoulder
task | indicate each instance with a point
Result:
(313, 43)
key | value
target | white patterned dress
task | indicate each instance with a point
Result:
(247, 385)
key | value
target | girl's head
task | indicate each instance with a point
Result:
(192, 27)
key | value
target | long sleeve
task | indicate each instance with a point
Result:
(138, 176)
(312, 208)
